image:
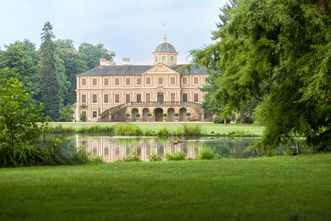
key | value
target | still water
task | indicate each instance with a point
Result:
(112, 149)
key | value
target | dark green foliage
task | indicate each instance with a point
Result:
(48, 73)
(123, 129)
(175, 156)
(83, 117)
(96, 130)
(66, 113)
(207, 154)
(92, 53)
(154, 157)
(192, 131)
(163, 132)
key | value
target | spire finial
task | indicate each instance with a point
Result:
(164, 29)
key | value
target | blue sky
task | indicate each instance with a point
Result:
(131, 28)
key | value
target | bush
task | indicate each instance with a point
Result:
(124, 129)
(96, 130)
(133, 157)
(220, 120)
(154, 157)
(206, 154)
(83, 117)
(163, 132)
(175, 156)
(189, 131)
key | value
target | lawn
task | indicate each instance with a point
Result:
(266, 188)
(207, 127)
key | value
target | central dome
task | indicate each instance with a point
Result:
(165, 47)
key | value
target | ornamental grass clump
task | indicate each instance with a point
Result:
(124, 129)
(175, 156)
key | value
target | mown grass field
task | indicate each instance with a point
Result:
(266, 188)
(206, 127)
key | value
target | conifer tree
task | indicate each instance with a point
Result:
(48, 74)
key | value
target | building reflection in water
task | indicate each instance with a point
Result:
(116, 149)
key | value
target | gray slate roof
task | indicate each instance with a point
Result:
(139, 69)
(165, 47)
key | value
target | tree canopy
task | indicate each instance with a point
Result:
(278, 54)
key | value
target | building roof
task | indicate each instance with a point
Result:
(139, 69)
(165, 47)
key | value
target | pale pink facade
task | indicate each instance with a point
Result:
(127, 92)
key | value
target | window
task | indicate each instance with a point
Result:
(184, 80)
(160, 80)
(127, 81)
(148, 80)
(155, 58)
(83, 98)
(163, 58)
(195, 80)
(138, 81)
(171, 58)
(127, 98)
(94, 81)
(196, 98)
(184, 97)
(94, 114)
(94, 98)
(117, 81)
(173, 97)
(105, 98)
(117, 98)
(138, 98)
(172, 80)
(148, 97)
(106, 81)
(83, 81)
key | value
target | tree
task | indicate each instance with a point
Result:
(92, 53)
(20, 117)
(66, 113)
(83, 117)
(278, 53)
(73, 63)
(48, 73)
(22, 57)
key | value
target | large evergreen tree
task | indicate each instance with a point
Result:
(279, 53)
(48, 73)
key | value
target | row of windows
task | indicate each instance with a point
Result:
(164, 58)
(106, 81)
(138, 98)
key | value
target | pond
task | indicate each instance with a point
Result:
(112, 149)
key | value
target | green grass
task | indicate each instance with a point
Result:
(206, 127)
(275, 188)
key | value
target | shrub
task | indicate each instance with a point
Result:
(83, 117)
(206, 154)
(132, 157)
(220, 120)
(175, 156)
(125, 129)
(189, 131)
(154, 157)
(96, 130)
(163, 132)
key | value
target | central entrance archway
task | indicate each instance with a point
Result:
(160, 97)
(158, 112)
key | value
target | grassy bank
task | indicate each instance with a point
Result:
(276, 188)
(153, 128)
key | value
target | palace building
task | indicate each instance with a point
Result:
(164, 91)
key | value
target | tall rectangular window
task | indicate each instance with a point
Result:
(84, 81)
(148, 80)
(83, 98)
(184, 80)
(185, 97)
(160, 80)
(94, 81)
(148, 97)
(117, 98)
(127, 98)
(196, 98)
(94, 114)
(138, 98)
(172, 80)
(127, 81)
(117, 81)
(106, 81)
(138, 81)
(196, 80)
(105, 98)
(173, 97)
(95, 98)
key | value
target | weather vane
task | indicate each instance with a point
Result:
(164, 29)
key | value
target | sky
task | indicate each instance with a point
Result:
(131, 28)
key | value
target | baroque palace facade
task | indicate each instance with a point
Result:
(164, 91)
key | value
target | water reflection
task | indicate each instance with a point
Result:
(112, 149)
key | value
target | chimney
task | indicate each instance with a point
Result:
(126, 61)
(105, 62)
